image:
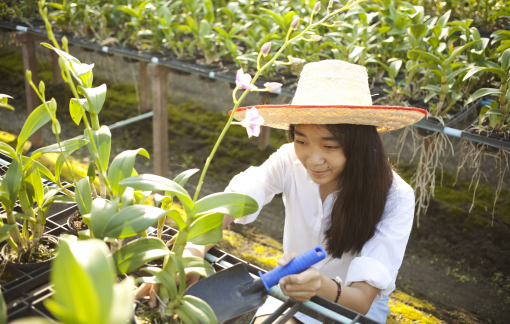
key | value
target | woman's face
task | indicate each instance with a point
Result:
(320, 153)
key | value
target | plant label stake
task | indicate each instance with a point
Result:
(233, 292)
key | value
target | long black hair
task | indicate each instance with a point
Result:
(364, 183)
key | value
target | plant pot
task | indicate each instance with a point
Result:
(71, 222)
(27, 267)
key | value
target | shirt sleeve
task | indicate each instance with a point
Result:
(381, 257)
(262, 183)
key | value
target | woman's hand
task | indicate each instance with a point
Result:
(300, 287)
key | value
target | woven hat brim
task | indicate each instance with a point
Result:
(385, 118)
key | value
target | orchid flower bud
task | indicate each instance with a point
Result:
(317, 7)
(330, 4)
(338, 23)
(41, 87)
(272, 86)
(295, 23)
(65, 43)
(29, 75)
(316, 38)
(295, 60)
(265, 48)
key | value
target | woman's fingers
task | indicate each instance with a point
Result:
(153, 299)
(142, 290)
(303, 286)
(286, 258)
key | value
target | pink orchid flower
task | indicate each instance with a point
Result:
(272, 86)
(252, 122)
(243, 81)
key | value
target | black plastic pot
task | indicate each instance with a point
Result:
(31, 266)
(71, 229)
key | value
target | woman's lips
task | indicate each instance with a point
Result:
(318, 173)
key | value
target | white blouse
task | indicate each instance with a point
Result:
(306, 220)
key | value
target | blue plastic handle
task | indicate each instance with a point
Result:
(296, 265)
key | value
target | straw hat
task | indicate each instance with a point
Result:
(335, 92)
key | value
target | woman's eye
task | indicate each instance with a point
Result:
(332, 147)
(300, 142)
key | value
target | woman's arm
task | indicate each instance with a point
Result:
(301, 287)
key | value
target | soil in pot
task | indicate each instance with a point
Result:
(45, 250)
(75, 222)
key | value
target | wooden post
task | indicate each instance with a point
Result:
(30, 63)
(55, 69)
(265, 132)
(145, 95)
(159, 76)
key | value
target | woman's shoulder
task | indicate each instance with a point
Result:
(400, 190)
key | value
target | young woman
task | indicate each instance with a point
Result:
(339, 191)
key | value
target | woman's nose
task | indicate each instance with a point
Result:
(316, 158)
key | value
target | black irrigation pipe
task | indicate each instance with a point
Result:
(217, 74)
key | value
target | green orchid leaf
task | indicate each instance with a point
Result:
(481, 93)
(201, 309)
(122, 168)
(139, 252)
(494, 112)
(4, 235)
(198, 266)
(418, 30)
(394, 68)
(156, 183)
(176, 216)
(38, 118)
(8, 150)
(429, 96)
(103, 141)
(176, 264)
(84, 267)
(228, 203)
(75, 109)
(6, 106)
(130, 221)
(101, 212)
(84, 196)
(95, 97)
(62, 54)
(10, 185)
(493, 119)
(183, 177)
(34, 184)
(444, 19)
(457, 51)
(121, 311)
(477, 69)
(428, 56)
(67, 146)
(45, 172)
(505, 60)
(186, 315)
(206, 229)
(431, 87)
(165, 279)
